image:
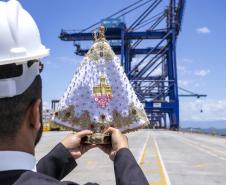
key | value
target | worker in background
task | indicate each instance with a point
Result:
(21, 113)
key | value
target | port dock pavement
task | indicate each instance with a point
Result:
(166, 157)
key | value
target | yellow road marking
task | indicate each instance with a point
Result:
(162, 175)
(201, 165)
(141, 160)
(154, 183)
(147, 162)
(143, 154)
(90, 162)
(160, 170)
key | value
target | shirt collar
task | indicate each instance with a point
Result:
(15, 160)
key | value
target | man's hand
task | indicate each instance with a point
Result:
(119, 141)
(73, 143)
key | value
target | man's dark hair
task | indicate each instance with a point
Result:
(13, 109)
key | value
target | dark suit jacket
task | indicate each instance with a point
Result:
(59, 162)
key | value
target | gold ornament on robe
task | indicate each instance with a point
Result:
(102, 93)
(102, 88)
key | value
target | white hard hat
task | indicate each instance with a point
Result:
(19, 43)
(19, 35)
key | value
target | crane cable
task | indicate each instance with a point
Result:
(120, 11)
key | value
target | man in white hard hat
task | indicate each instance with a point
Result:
(20, 113)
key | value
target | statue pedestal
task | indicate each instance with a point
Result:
(97, 138)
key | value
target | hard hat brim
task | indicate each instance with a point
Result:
(23, 59)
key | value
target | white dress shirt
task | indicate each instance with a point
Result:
(15, 160)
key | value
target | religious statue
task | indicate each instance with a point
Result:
(100, 95)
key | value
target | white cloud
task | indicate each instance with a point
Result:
(46, 105)
(184, 82)
(202, 72)
(182, 66)
(182, 70)
(212, 110)
(203, 30)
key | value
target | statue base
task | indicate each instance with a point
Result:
(97, 138)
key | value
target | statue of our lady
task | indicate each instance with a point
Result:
(100, 95)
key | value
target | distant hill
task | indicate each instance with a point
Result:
(221, 124)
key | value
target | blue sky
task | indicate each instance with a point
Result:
(201, 49)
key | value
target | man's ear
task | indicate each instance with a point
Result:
(35, 115)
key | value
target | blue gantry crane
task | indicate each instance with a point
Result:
(148, 54)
